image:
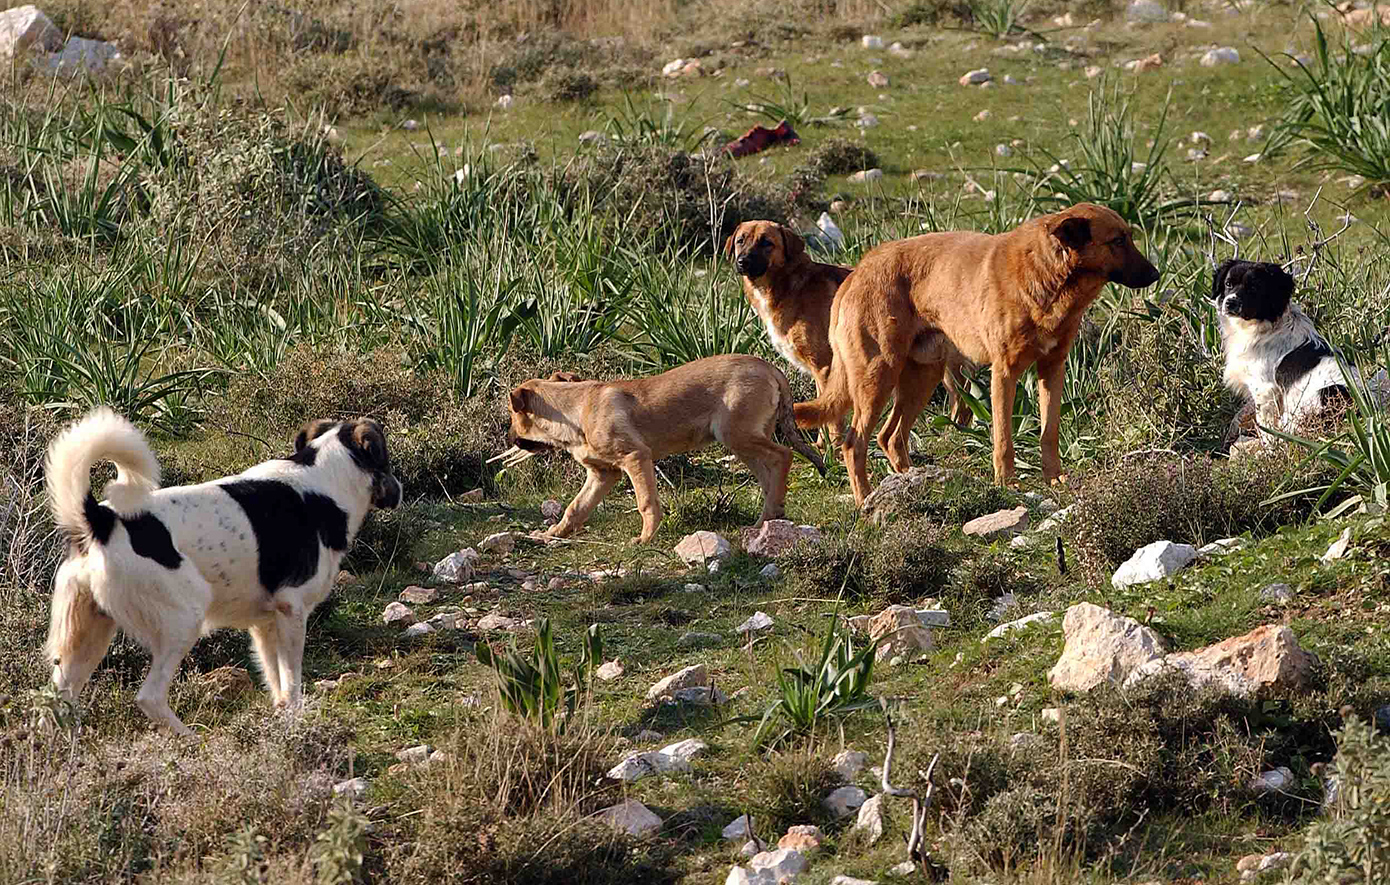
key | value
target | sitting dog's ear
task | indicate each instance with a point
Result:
(729, 245)
(310, 432)
(1218, 281)
(564, 376)
(366, 440)
(1074, 232)
(521, 400)
(793, 247)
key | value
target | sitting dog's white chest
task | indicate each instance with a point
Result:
(762, 303)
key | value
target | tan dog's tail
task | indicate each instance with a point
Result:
(786, 423)
(832, 404)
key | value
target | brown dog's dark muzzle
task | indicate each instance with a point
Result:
(751, 265)
(529, 445)
(1142, 276)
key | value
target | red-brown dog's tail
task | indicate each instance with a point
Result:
(830, 406)
(786, 425)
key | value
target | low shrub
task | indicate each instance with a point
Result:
(1354, 844)
(789, 788)
(905, 562)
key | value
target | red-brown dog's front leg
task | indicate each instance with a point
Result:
(1052, 371)
(1003, 388)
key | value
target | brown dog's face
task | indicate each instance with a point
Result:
(1104, 243)
(758, 246)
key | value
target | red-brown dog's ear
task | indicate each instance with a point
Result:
(793, 247)
(729, 246)
(564, 376)
(521, 400)
(1073, 232)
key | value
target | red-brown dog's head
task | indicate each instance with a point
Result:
(760, 246)
(1102, 243)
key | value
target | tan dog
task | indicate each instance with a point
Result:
(616, 427)
(792, 294)
(1009, 300)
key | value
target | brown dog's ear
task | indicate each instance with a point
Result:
(793, 247)
(1073, 232)
(729, 245)
(521, 400)
(564, 376)
(311, 431)
(366, 440)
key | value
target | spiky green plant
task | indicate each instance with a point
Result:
(533, 686)
(834, 685)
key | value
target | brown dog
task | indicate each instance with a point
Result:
(616, 427)
(1009, 300)
(792, 294)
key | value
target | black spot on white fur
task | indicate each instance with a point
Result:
(289, 529)
(305, 457)
(102, 520)
(150, 538)
(1300, 361)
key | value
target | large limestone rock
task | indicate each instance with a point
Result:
(25, 28)
(899, 488)
(1267, 660)
(900, 632)
(1153, 562)
(1000, 525)
(870, 819)
(700, 548)
(1101, 647)
(632, 817)
(80, 56)
(695, 676)
(777, 536)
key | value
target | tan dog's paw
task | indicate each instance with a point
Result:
(1061, 479)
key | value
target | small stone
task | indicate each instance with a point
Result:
(410, 125)
(1279, 594)
(1256, 133)
(1003, 150)
(777, 536)
(505, 102)
(1023, 542)
(867, 121)
(759, 621)
(1339, 547)
(552, 510)
(778, 866)
(694, 588)
(457, 568)
(698, 640)
(738, 828)
(556, 583)
(1094, 71)
(500, 543)
(24, 28)
(355, 788)
(1153, 562)
(878, 79)
(870, 41)
(770, 571)
(983, 116)
(848, 763)
(631, 817)
(415, 755)
(864, 176)
(899, 50)
(1101, 647)
(494, 621)
(1267, 660)
(1004, 629)
(845, 801)
(976, 77)
(906, 868)
(899, 632)
(700, 548)
(610, 671)
(701, 696)
(998, 525)
(472, 496)
(804, 838)
(870, 818)
(1221, 547)
(1023, 740)
(415, 630)
(592, 136)
(1224, 55)
(397, 613)
(1146, 12)
(1219, 196)
(1272, 781)
(1050, 714)
(695, 676)
(419, 595)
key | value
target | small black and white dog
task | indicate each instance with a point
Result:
(1273, 354)
(257, 551)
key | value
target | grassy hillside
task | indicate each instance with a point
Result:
(271, 213)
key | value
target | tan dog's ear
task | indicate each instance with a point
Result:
(793, 247)
(1073, 232)
(312, 431)
(521, 400)
(564, 376)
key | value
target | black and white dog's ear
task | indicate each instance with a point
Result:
(366, 440)
(312, 431)
(1218, 283)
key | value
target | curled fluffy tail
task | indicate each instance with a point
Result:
(831, 405)
(100, 436)
(786, 424)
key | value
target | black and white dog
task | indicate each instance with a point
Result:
(257, 551)
(1273, 354)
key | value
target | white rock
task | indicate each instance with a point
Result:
(934, 617)
(737, 828)
(780, 865)
(1219, 196)
(1146, 11)
(457, 567)
(1272, 781)
(26, 27)
(906, 868)
(355, 788)
(1153, 562)
(1101, 647)
(899, 50)
(700, 548)
(80, 56)
(1277, 593)
(1221, 547)
(501, 543)
(397, 613)
(866, 121)
(1023, 542)
(703, 696)
(590, 136)
(505, 102)
(1224, 55)
(845, 801)
(850, 880)
(770, 571)
(694, 676)
(759, 621)
(1056, 520)
(864, 176)
(694, 588)
(1003, 150)
(1002, 606)
(410, 125)
(975, 77)
(1004, 629)
(833, 234)
(673, 68)
(1339, 547)
(685, 750)
(415, 755)
(610, 671)
(494, 621)
(415, 630)
(870, 819)
(632, 817)
(1010, 80)
(848, 763)
(636, 766)
(870, 41)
